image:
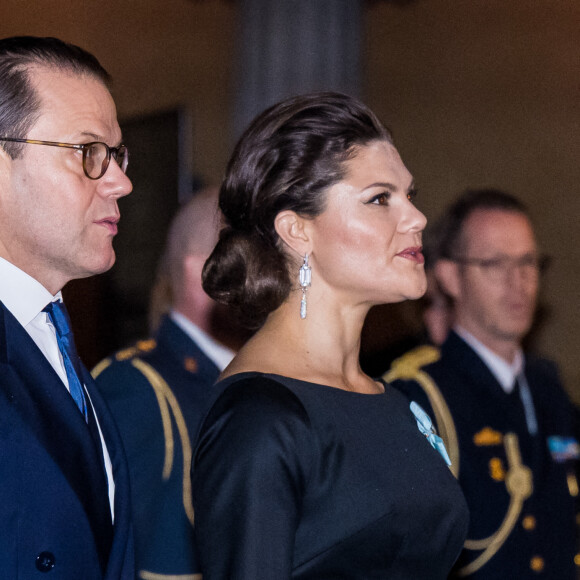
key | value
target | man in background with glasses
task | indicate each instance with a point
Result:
(64, 490)
(503, 414)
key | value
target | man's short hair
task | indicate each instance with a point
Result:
(450, 229)
(19, 102)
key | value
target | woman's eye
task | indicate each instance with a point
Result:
(380, 199)
(411, 195)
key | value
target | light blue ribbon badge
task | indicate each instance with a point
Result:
(426, 427)
(563, 448)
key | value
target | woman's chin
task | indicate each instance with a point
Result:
(417, 292)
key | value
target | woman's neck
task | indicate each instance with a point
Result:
(322, 348)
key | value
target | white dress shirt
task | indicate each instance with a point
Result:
(25, 298)
(219, 354)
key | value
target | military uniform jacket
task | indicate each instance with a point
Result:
(55, 519)
(519, 492)
(157, 392)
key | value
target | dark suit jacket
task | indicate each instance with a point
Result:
(542, 541)
(157, 391)
(54, 516)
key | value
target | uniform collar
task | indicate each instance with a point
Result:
(504, 372)
(219, 354)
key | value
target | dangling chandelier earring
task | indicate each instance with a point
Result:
(305, 277)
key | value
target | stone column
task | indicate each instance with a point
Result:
(288, 47)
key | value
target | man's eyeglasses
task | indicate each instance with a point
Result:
(501, 267)
(96, 155)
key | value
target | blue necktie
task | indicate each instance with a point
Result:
(60, 320)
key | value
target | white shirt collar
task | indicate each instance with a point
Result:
(504, 372)
(218, 353)
(22, 295)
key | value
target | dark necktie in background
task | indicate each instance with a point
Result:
(522, 388)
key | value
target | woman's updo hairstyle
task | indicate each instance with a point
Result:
(285, 160)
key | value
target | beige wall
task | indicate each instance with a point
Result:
(477, 92)
(161, 53)
(487, 93)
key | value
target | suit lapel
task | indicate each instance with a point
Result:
(122, 546)
(30, 384)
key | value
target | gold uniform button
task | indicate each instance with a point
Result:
(190, 364)
(577, 559)
(496, 470)
(529, 523)
(537, 563)
(146, 345)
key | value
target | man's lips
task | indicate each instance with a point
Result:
(110, 223)
(415, 254)
(519, 307)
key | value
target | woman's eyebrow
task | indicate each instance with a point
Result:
(389, 186)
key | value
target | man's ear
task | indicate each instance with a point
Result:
(193, 265)
(291, 229)
(191, 283)
(448, 277)
(5, 165)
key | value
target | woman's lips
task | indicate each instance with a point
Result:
(415, 254)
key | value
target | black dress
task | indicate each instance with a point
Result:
(295, 480)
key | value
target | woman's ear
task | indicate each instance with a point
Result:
(291, 229)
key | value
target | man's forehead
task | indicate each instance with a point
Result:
(43, 78)
(486, 226)
(80, 101)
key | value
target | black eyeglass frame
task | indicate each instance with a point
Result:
(84, 147)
